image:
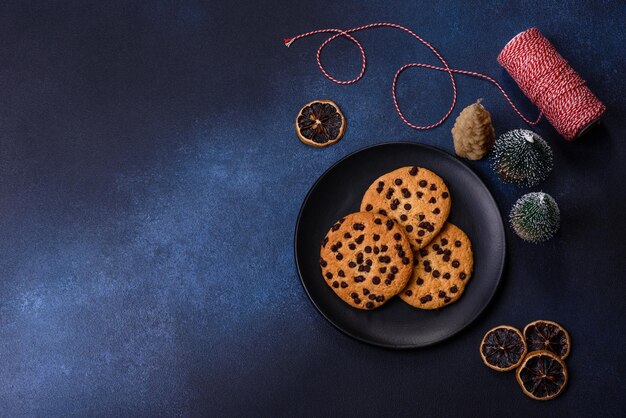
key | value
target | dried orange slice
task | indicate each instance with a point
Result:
(547, 335)
(320, 123)
(542, 375)
(503, 348)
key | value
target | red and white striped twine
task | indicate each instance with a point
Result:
(556, 89)
(550, 83)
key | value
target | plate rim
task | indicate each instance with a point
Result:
(382, 344)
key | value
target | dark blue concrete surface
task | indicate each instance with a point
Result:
(150, 178)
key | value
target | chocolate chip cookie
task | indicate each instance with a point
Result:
(415, 197)
(366, 259)
(442, 270)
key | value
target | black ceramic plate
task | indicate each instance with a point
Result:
(397, 325)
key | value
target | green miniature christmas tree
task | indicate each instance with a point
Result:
(523, 157)
(535, 217)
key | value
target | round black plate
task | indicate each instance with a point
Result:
(397, 325)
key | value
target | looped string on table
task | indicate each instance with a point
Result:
(445, 68)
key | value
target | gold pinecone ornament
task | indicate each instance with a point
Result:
(473, 133)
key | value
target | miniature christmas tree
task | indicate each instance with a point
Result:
(521, 156)
(535, 217)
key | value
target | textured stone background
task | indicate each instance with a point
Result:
(150, 180)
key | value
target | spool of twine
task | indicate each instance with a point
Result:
(551, 84)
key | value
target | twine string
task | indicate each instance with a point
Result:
(445, 68)
(548, 80)
(532, 61)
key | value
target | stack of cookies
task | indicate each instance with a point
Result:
(399, 244)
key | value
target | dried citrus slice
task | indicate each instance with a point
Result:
(320, 123)
(547, 335)
(542, 375)
(503, 348)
